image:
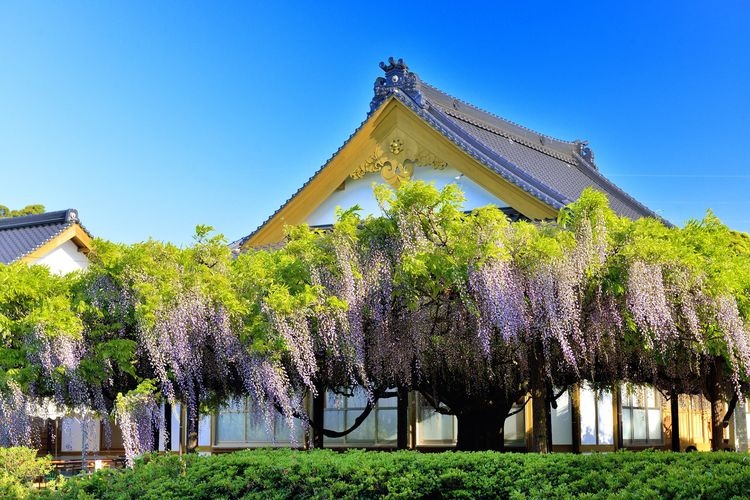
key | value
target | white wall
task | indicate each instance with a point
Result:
(359, 191)
(204, 430)
(64, 259)
(175, 437)
(72, 436)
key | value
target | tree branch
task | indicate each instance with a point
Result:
(730, 410)
(520, 408)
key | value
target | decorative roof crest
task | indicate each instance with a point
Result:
(397, 78)
(584, 151)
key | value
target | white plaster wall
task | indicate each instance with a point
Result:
(176, 436)
(64, 259)
(72, 437)
(204, 430)
(359, 191)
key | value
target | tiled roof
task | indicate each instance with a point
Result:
(551, 170)
(19, 236)
(557, 164)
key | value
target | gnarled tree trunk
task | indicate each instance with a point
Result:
(716, 398)
(482, 429)
(541, 421)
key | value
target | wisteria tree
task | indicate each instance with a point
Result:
(468, 309)
(474, 312)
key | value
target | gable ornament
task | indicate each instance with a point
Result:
(396, 161)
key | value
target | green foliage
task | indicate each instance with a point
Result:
(27, 210)
(31, 298)
(19, 468)
(409, 474)
(433, 247)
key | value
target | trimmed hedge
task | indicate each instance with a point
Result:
(19, 467)
(409, 474)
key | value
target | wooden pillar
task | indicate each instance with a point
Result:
(674, 410)
(402, 419)
(50, 429)
(575, 406)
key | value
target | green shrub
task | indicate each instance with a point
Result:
(409, 474)
(19, 467)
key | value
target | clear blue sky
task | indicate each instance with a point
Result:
(152, 117)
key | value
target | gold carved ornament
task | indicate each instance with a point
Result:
(395, 167)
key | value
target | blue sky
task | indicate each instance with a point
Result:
(152, 117)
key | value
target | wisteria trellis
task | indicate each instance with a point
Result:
(421, 298)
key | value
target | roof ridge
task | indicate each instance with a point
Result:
(54, 217)
(496, 116)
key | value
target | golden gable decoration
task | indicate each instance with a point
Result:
(395, 158)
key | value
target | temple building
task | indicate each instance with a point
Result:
(416, 131)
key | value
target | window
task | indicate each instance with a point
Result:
(641, 416)
(378, 429)
(240, 424)
(597, 422)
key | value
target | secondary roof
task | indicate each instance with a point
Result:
(31, 236)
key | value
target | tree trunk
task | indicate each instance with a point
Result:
(167, 427)
(192, 432)
(402, 419)
(717, 423)
(318, 415)
(540, 412)
(575, 408)
(715, 394)
(482, 430)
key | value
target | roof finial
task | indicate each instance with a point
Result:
(398, 79)
(392, 64)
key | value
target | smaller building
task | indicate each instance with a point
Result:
(59, 241)
(54, 239)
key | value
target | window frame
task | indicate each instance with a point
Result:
(247, 410)
(344, 410)
(597, 446)
(634, 394)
